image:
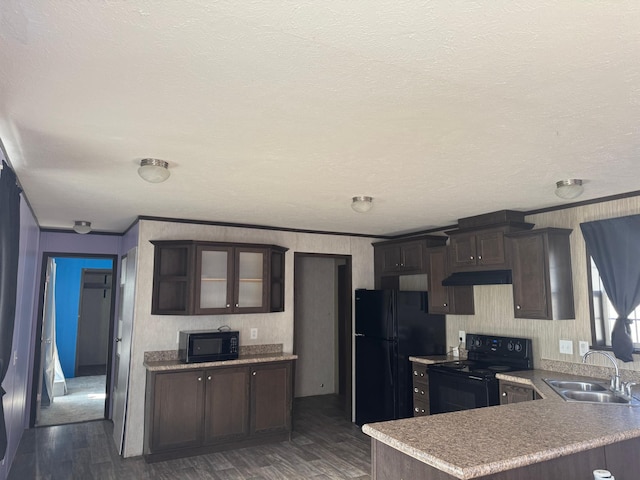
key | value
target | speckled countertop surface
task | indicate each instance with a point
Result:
(431, 359)
(495, 439)
(168, 359)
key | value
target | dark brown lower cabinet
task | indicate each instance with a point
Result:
(621, 459)
(191, 412)
(514, 393)
(271, 398)
(227, 404)
(420, 389)
(177, 416)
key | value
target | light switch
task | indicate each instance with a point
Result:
(566, 346)
(583, 347)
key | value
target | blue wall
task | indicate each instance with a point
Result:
(68, 277)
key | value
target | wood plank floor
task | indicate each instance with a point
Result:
(324, 445)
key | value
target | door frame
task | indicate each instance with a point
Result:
(37, 354)
(345, 315)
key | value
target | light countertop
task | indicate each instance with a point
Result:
(243, 359)
(510, 436)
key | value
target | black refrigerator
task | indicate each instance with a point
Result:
(391, 325)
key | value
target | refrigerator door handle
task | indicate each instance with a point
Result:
(390, 362)
(359, 334)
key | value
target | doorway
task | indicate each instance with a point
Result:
(323, 327)
(73, 353)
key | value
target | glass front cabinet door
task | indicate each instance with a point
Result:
(227, 278)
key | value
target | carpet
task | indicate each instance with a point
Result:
(84, 401)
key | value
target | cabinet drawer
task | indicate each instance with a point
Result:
(419, 372)
(420, 407)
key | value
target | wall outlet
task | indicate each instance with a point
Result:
(566, 346)
(177, 337)
(462, 336)
(253, 333)
(583, 347)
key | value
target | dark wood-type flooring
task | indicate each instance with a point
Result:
(324, 445)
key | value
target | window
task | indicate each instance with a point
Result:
(604, 315)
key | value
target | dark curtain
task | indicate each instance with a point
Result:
(614, 245)
(9, 247)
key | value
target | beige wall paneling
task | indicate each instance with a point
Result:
(159, 332)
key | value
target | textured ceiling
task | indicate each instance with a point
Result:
(278, 112)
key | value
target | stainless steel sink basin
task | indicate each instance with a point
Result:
(594, 397)
(589, 392)
(575, 385)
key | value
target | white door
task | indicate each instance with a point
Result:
(123, 346)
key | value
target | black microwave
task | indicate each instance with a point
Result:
(208, 345)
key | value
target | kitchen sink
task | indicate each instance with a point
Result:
(595, 397)
(589, 392)
(576, 385)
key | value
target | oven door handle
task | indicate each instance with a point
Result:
(475, 378)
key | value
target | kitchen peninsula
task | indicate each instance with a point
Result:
(546, 438)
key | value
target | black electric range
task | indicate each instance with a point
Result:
(471, 383)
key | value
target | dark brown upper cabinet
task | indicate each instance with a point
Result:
(478, 242)
(542, 278)
(393, 258)
(447, 300)
(480, 249)
(214, 278)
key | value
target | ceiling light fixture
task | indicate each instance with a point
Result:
(361, 204)
(82, 226)
(569, 189)
(153, 170)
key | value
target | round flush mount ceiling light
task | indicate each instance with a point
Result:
(153, 170)
(82, 226)
(361, 203)
(569, 189)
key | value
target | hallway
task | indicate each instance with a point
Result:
(84, 401)
(324, 445)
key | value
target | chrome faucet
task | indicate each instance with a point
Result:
(616, 385)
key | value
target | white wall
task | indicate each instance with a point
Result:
(158, 332)
(494, 303)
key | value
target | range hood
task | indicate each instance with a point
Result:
(488, 277)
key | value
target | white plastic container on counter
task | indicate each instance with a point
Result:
(602, 475)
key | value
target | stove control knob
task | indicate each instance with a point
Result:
(477, 342)
(518, 347)
(510, 346)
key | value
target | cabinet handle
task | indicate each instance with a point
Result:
(479, 257)
(237, 305)
(253, 373)
(504, 394)
(199, 379)
(471, 257)
(444, 304)
(417, 410)
(422, 374)
(415, 372)
(209, 377)
(415, 390)
(517, 307)
(228, 305)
